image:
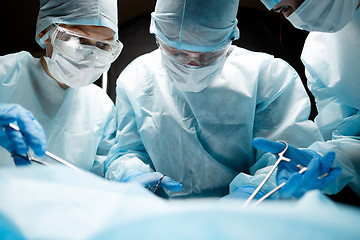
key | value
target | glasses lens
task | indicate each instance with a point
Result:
(189, 58)
(79, 45)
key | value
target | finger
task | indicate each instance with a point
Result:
(33, 133)
(326, 162)
(292, 185)
(17, 141)
(268, 145)
(333, 174)
(170, 184)
(312, 173)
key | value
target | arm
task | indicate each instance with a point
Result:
(282, 113)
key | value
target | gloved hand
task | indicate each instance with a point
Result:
(32, 134)
(244, 193)
(150, 180)
(319, 173)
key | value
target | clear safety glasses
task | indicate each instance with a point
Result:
(107, 51)
(200, 59)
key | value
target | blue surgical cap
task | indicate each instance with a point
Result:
(195, 25)
(77, 12)
(269, 4)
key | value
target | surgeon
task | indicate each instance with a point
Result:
(190, 109)
(32, 135)
(331, 56)
(80, 38)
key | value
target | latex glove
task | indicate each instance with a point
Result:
(151, 180)
(32, 134)
(299, 183)
(244, 193)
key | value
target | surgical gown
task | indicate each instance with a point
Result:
(332, 62)
(80, 124)
(204, 139)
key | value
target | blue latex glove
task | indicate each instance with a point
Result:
(299, 183)
(244, 193)
(151, 180)
(32, 134)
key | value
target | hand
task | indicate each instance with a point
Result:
(31, 133)
(319, 173)
(244, 193)
(150, 180)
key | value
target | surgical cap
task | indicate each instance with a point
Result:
(269, 4)
(195, 25)
(76, 12)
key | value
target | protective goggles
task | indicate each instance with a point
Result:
(200, 59)
(83, 45)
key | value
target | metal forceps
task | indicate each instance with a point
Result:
(281, 158)
(49, 154)
(157, 184)
(302, 170)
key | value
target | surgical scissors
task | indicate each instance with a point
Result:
(281, 158)
(49, 154)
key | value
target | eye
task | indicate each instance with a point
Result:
(63, 36)
(103, 46)
(282, 9)
(84, 41)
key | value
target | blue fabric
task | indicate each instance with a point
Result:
(195, 25)
(79, 12)
(244, 192)
(299, 183)
(32, 134)
(332, 62)
(79, 124)
(269, 4)
(204, 140)
(59, 203)
(150, 180)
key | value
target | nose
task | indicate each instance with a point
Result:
(192, 63)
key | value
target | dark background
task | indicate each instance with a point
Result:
(260, 30)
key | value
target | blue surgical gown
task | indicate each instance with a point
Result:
(204, 140)
(332, 62)
(80, 124)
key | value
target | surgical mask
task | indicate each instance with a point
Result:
(78, 60)
(323, 15)
(191, 78)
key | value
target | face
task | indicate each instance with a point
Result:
(97, 32)
(287, 7)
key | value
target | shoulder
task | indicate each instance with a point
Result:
(95, 97)
(11, 60)
(258, 62)
(144, 64)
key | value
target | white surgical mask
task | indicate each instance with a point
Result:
(323, 15)
(191, 78)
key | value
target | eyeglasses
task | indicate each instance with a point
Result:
(107, 50)
(200, 59)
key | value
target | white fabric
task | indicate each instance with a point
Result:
(332, 62)
(80, 124)
(58, 203)
(203, 140)
(324, 15)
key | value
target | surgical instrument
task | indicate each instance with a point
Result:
(302, 169)
(49, 154)
(281, 158)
